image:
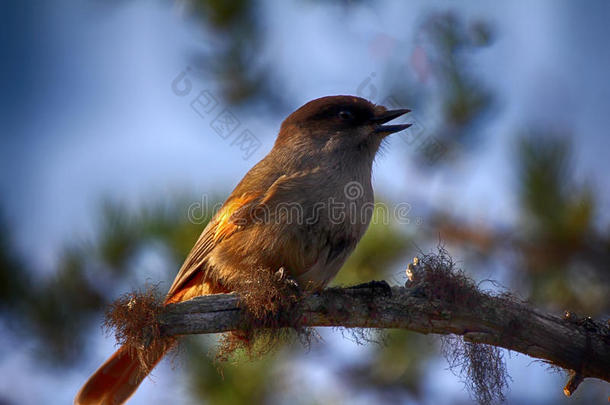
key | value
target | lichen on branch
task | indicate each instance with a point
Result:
(438, 298)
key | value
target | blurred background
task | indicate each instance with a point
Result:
(125, 123)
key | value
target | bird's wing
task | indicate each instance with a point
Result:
(221, 226)
(238, 213)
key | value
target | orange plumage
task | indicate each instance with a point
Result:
(322, 148)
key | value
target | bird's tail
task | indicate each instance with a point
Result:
(119, 377)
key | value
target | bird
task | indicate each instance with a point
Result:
(299, 213)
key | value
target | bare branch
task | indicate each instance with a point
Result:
(438, 298)
(581, 346)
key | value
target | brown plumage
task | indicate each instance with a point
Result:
(277, 217)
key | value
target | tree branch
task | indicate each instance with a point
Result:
(581, 346)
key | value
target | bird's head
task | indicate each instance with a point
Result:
(339, 124)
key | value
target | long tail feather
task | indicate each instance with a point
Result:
(117, 379)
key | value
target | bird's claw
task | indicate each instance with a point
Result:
(283, 277)
(378, 287)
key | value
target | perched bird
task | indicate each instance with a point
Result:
(298, 212)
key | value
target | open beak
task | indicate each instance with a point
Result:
(386, 116)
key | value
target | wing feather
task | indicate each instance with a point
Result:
(219, 228)
(237, 214)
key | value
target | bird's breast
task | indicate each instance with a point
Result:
(341, 210)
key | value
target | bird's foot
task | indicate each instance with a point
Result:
(378, 287)
(283, 277)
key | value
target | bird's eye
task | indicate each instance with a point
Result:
(346, 115)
